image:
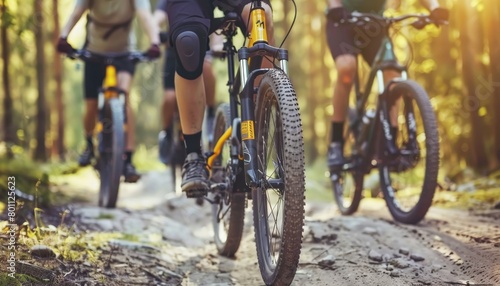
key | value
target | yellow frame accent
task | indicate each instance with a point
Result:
(247, 130)
(218, 146)
(110, 81)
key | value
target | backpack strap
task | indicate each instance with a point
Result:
(112, 27)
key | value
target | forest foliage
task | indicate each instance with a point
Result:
(458, 64)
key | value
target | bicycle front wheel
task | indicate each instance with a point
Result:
(409, 181)
(278, 203)
(228, 208)
(111, 149)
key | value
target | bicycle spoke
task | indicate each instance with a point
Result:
(272, 158)
(409, 180)
(278, 201)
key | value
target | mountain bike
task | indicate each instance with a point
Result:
(112, 123)
(407, 161)
(258, 154)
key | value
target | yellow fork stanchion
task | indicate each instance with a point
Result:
(258, 34)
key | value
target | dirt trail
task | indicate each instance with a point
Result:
(457, 247)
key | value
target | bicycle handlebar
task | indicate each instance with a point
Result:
(363, 18)
(109, 58)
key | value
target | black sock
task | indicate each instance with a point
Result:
(168, 131)
(90, 144)
(394, 133)
(128, 157)
(193, 143)
(337, 132)
(210, 111)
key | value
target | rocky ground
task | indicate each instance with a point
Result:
(164, 239)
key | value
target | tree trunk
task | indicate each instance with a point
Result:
(8, 118)
(494, 46)
(469, 40)
(41, 116)
(312, 78)
(59, 144)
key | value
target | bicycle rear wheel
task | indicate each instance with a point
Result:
(409, 181)
(348, 185)
(278, 203)
(228, 208)
(111, 149)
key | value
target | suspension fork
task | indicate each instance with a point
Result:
(249, 144)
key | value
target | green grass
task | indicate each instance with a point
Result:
(318, 186)
(147, 159)
(477, 200)
(105, 216)
(19, 280)
(485, 195)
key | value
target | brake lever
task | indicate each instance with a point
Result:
(441, 23)
(419, 24)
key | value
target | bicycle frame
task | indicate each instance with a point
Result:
(385, 59)
(250, 58)
(109, 90)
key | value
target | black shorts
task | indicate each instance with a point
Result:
(169, 69)
(350, 39)
(95, 73)
(202, 11)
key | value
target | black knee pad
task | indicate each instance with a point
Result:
(191, 45)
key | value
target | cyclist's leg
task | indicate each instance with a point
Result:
(388, 76)
(125, 71)
(169, 102)
(168, 108)
(189, 23)
(169, 105)
(209, 81)
(369, 52)
(93, 77)
(341, 44)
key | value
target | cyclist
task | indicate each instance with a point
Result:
(189, 26)
(169, 103)
(345, 42)
(109, 31)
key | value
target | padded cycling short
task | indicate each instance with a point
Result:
(201, 11)
(95, 73)
(169, 69)
(350, 39)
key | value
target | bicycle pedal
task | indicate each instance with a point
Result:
(196, 193)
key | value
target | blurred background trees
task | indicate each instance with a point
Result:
(459, 65)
